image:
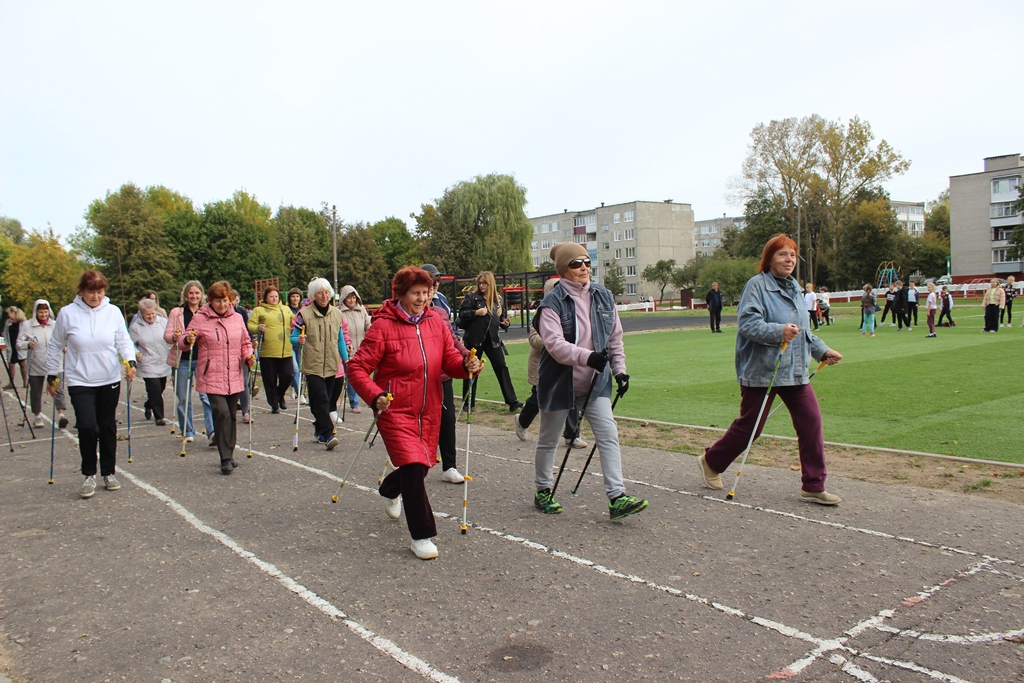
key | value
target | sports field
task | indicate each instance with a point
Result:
(961, 393)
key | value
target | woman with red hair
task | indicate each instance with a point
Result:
(771, 311)
(406, 349)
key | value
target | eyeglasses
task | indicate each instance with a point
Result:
(579, 263)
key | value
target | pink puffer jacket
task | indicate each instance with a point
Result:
(222, 345)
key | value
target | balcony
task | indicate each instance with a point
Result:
(1007, 267)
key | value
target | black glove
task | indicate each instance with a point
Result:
(622, 379)
(598, 360)
(50, 379)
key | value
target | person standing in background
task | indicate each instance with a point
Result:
(714, 301)
(811, 304)
(1011, 294)
(867, 312)
(271, 322)
(33, 338)
(947, 307)
(932, 305)
(12, 328)
(993, 301)
(358, 321)
(890, 297)
(912, 304)
(824, 305)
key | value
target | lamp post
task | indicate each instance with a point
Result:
(334, 231)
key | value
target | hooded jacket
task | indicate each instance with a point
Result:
(357, 318)
(149, 340)
(96, 340)
(407, 359)
(222, 345)
(277, 336)
(32, 330)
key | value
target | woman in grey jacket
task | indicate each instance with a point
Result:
(771, 311)
(147, 331)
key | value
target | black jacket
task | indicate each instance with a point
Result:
(899, 304)
(480, 328)
(714, 298)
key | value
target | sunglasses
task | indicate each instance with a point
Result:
(579, 263)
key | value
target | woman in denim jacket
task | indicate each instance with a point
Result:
(771, 311)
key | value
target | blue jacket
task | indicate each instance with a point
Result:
(765, 308)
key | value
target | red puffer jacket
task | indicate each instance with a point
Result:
(410, 357)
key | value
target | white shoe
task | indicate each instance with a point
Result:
(393, 507)
(213, 440)
(88, 489)
(424, 548)
(303, 401)
(189, 439)
(334, 416)
(39, 421)
(520, 431)
(576, 443)
(111, 483)
(452, 476)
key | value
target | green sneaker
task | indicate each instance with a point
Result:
(624, 506)
(545, 502)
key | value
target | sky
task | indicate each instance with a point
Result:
(378, 107)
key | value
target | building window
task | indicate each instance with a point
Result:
(604, 228)
(631, 289)
(536, 229)
(714, 229)
(1002, 210)
(630, 270)
(533, 246)
(545, 227)
(554, 227)
(714, 242)
(1003, 233)
(579, 239)
(606, 245)
(1001, 255)
(616, 218)
(1005, 185)
(631, 233)
(705, 243)
(554, 242)
(536, 261)
(618, 236)
(627, 216)
(545, 244)
(618, 253)
(630, 252)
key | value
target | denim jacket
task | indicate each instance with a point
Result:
(765, 308)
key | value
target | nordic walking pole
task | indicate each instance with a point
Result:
(753, 431)
(344, 395)
(3, 405)
(252, 390)
(17, 397)
(128, 409)
(809, 378)
(469, 426)
(334, 498)
(53, 428)
(174, 381)
(188, 398)
(591, 456)
(579, 425)
(298, 398)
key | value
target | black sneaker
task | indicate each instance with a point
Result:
(624, 506)
(545, 502)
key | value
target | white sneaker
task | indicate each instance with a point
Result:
(424, 548)
(393, 507)
(334, 416)
(213, 440)
(88, 489)
(39, 421)
(520, 431)
(111, 483)
(189, 439)
(452, 476)
(303, 401)
(576, 443)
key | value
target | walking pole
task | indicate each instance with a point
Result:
(590, 457)
(753, 431)
(579, 425)
(53, 428)
(14, 385)
(334, 498)
(3, 405)
(469, 426)
(252, 390)
(128, 408)
(344, 395)
(298, 397)
(174, 381)
(188, 399)
(809, 378)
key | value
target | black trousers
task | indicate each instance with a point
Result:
(824, 316)
(278, 374)
(885, 312)
(320, 389)
(716, 318)
(902, 318)
(407, 481)
(496, 357)
(96, 415)
(911, 312)
(812, 317)
(532, 407)
(446, 440)
(992, 317)
(155, 395)
(1008, 311)
(948, 314)
(225, 423)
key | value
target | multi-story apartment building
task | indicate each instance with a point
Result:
(981, 218)
(632, 235)
(708, 235)
(910, 215)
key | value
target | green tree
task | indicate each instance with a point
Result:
(614, 282)
(1016, 240)
(872, 235)
(40, 269)
(926, 253)
(660, 274)
(688, 275)
(546, 267)
(936, 218)
(12, 230)
(241, 247)
(304, 241)
(363, 267)
(478, 225)
(185, 235)
(131, 246)
(395, 243)
(764, 220)
(730, 274)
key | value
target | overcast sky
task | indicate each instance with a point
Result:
(377, 107)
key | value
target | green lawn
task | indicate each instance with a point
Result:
(959, 394)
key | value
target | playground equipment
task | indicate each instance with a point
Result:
(886, 274)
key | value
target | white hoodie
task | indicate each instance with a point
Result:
(96, 340)
(31, 330)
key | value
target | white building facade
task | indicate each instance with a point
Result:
(708, 235)
(982, 217)
(910, 216)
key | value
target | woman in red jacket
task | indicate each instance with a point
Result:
(222, 344)
(407, 348)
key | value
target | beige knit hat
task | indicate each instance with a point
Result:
(564, 252)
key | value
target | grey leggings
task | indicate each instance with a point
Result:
(35, 393)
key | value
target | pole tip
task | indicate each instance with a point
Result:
(334, 499)
(50, 482)
(295, 449)
(129, 459)
(729, 496)
(463, 531)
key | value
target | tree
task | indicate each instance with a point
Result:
(40, 269)
(304, 240)
(872, 235)
(687, 276)
(185, 235)
(546, 267)
(131, 246)
(479, 225)
(936, 218)
(730, 274)
(926, 253)
(613, 280)
(363, 267)
(1016, 240)
(12, 230)
(394, 242)
(660, 274)
(764, 220)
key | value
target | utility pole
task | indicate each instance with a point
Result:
(334, 231)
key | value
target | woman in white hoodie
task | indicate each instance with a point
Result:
(32, 341)
(93, 334)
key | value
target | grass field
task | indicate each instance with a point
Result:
(959, 394)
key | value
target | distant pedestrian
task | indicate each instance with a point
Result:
(16, 359)
(867, 311)
(899, 307)
(811, 305)
(245, 399)
(932, 305)
(354, 312)
(295, 304)
(271, 322)
(912, 304)
(183, 360)
(824, 306)
(323, 346)
(33, 338)
(481, 315)
(946, 311)
(1011, 294)
(714, 301)
(993, 302)
(890, 297)
(147, 331)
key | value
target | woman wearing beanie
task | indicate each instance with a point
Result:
(481, 314)
(582, 336)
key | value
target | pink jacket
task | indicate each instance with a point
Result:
(222, 345)
(348, 345)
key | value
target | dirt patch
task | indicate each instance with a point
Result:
(1004, 483)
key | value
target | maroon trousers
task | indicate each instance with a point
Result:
(803, 407)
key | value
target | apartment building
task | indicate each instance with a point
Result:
(633, 234)
(910, 216)
(981, 218)
(708, 235)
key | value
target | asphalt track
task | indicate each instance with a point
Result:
(188, 575)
